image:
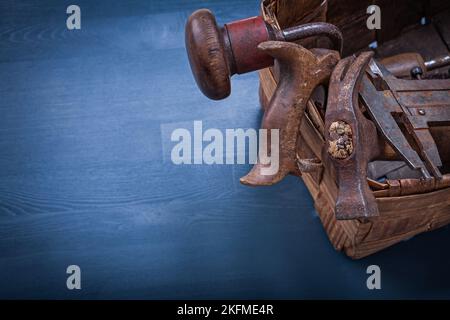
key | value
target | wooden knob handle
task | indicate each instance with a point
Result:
(401, 65)
(215, 54)
(207, 55)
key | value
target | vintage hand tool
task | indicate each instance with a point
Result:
(411, 64)
(215, 53)
(351, 140)
(404, 110)
(301, 71)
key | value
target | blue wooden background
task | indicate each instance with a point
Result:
(86, 176)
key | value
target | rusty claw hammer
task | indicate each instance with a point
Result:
(351, 140)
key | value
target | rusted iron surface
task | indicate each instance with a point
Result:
(315, 29)
(438, 62)
(301, 71)
(351, 140)
(406, 212)
(394, 104)
(313, 165)
(381, 107)
(411, 105)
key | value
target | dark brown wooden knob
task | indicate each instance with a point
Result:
(207, 56)
(215, 53)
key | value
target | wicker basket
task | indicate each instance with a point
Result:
(401, 217)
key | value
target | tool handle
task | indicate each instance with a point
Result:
(207, 55)
(401, 65)
(216, 53)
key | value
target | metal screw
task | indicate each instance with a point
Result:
(422, 112)
(417, 73)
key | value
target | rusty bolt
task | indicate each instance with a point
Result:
(341, 144)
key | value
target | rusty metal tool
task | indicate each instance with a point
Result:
(301, 71)
(406, 65)
(404, 110)
(216, 53)
(351, 140)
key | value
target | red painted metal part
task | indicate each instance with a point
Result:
(244, 38)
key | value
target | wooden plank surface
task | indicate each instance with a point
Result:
(86, 177)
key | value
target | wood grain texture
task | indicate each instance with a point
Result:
(351, 18)
(86, 177)
(291, 12)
